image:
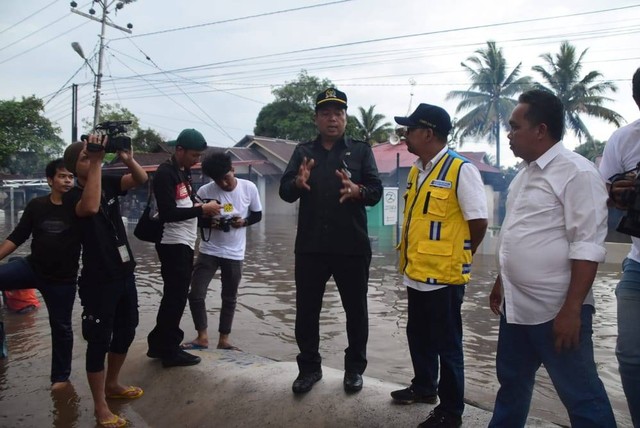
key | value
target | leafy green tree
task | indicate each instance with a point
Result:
(146, 140)
(580, 95)
(114, 112)
(142, 140)
(290, 116)
(28, 140)
(489, 100)
(371, 126)
(591, 149)
(287, 120)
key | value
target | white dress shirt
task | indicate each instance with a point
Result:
(471, 197)
(556, 212)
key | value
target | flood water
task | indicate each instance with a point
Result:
(264, 325)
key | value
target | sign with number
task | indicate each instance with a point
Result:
(390, 206)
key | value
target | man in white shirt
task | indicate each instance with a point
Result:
(551, 242)
(445, 219)
(622, 154)
(222, 246)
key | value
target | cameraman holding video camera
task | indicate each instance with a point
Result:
(106, 285)
(622, 155)
(222, 246)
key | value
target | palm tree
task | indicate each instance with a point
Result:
(371, 127)
(578, 95)
(489, 97)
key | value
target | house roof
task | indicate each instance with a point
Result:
(266, 156)
(386, 155)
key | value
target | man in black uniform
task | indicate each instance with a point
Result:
(334, 177)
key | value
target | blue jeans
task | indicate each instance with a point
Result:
(434, 333)
(521, 351)
(59, 298)
(628, 346)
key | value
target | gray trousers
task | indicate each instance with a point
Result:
(203, 272)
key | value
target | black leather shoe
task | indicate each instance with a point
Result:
(440, 419)
(153, 354)
(352, 382)
(305, 381)
(181, 358)
(409, 396)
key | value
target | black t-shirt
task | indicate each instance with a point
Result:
(55, 247)
(102, 236)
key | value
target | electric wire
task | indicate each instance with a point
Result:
(189, 27)
(26, 18)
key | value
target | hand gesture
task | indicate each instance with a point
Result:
(349, 189)
(304, 171)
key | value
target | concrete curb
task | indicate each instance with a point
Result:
(236, 389)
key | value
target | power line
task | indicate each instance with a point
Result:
(44, 43)
(401, 37)
(35, 32)
(30, 16)
(187, 110)
(189, 27)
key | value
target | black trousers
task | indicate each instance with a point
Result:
(176, 261)
(351, 274)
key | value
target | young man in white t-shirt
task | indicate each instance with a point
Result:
(222, 246)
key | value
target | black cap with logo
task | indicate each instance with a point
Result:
(331, 96)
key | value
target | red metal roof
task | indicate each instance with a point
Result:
(386, 158)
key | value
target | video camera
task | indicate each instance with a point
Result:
(630, 199)
(116, 130)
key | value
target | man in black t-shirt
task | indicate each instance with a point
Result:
(52, 266)
(106, 284)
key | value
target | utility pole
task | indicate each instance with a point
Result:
(104, 21)
(74, 113)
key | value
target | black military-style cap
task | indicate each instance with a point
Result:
(331, 96)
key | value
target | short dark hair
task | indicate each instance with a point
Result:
(53, 166)
(635, 84)
(216, 165)
(544, 107)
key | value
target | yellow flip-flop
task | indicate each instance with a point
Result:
(114, 422)
(128, 394)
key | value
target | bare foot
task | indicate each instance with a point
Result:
(227, 346)
(57, 386)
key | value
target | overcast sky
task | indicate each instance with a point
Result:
(213, 64)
